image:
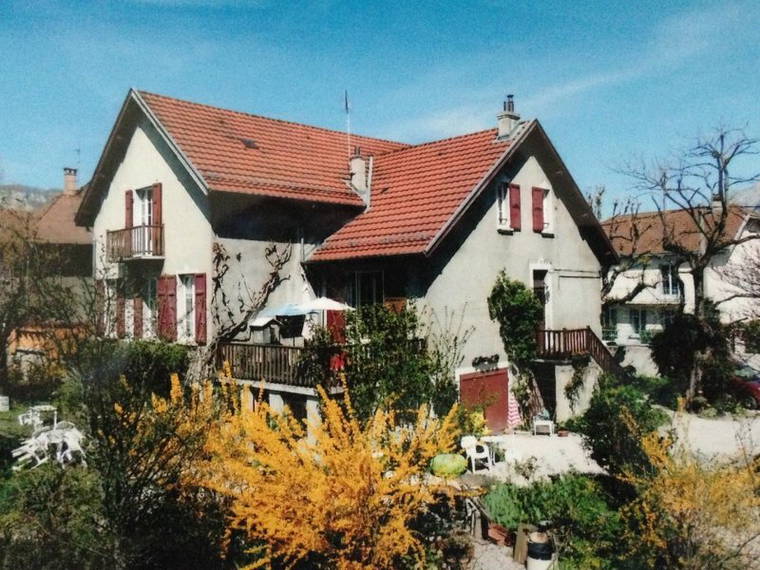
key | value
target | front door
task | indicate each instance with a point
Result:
(540, 291)
(488, 389)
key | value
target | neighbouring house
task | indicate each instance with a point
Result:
(189, 204)
(68, 249)
(664, 282)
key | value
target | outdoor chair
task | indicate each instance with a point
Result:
(476, 452)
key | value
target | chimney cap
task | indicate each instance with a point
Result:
(69, 170)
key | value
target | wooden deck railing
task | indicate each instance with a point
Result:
(136, 242)
(566, 343)
(267, 362)
(294, 366)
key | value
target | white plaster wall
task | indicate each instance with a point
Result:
(254, 270)
(718, 288)
(466, 280)
(187, 231)
(563, 374)
(652, 276)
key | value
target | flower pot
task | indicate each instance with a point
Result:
(498, 534)
(563, 433)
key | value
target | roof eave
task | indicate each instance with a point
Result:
(476, 191)
(85, 218)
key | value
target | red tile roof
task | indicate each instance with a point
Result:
(238, 152)
(415, 192)
(55, 223)
(644, 232)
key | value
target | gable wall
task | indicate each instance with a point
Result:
(464, 272)
(187, 231)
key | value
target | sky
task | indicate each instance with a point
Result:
(611, 82)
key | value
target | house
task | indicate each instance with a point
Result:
(663, 281)
(67, 249)
(182, 187)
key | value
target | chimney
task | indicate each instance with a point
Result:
(361, 174)
(69, 181)
(507, 119)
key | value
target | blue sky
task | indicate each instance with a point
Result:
(608, 80)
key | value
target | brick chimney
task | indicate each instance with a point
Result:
(507, 119)
(69, 181)
(361, 175)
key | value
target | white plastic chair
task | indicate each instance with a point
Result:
(476, 452)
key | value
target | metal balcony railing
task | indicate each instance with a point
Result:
(138, 242)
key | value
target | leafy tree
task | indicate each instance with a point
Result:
(392, 360)
(690, 341)
(518, 312)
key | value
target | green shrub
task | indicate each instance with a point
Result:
(613, 444)
(52, 518)
(584, 523)
(518, 312)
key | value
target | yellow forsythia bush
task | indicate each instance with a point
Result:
(692, 514)
(342, 496)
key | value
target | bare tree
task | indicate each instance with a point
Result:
(233, 302)
(698, 182)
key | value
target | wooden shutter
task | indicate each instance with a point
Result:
(100, 307)
(200, 308)
(538, 209)
(336, 324)
(137, 312)
(120, 313)
(171, 303)
(514, 207)
(157, 203)
(162, 286)
(129, 201)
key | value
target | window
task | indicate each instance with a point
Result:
(669, 275)
(638, 320)
(143, 211)
(502, 206)
(365, 288)
(186, 308)
(110, 300)
(609, 323)
(508, 207)
(150, 308)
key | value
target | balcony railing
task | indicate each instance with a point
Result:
(266, 362)
(566, 343)
(138, 242)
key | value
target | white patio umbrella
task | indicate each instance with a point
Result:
(324, 304)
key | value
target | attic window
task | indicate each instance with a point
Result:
(248, 143)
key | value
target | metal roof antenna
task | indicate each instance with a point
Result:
(347, 109)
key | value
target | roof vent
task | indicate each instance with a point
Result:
(507, 119)
(249, 143)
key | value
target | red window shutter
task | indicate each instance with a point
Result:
(200, 308)
(128, 208)
(100, 307)
(120, 315)
(162, 306)
(514, 207)
(336, 324)
(137, 312)
(538, 209)
(157, 202)
(171, 304)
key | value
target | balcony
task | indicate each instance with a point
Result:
(566, 343)
(139, 242)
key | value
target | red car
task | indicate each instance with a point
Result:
(746, 382)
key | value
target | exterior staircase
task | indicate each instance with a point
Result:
(566, 343)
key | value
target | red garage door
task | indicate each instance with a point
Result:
(490, 389)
